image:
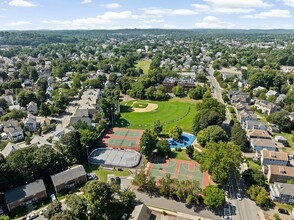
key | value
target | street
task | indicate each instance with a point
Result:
(238, 210)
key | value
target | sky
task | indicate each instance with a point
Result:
(168, 14)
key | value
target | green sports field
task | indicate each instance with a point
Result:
(170, 113)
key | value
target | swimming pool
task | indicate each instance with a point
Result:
(185, 140)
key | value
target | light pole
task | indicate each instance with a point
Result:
(87, 149)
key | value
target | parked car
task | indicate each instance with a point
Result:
(53, 197)
(124, 216)
(283, 211)
(89, 176)
(32, 216)
(239, 196)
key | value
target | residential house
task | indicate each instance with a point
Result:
(259, 144)
(280, 98)
(32, 108)
(57, 135)
(282, 140)
(69, 178)
(239, 106)
(245, 115)
(10, 147)
(258, 89)
(14, 107)
(8, 99)
(279, 173)
(274, 158)
(265, 106)
(261, 134)
(80, 115)
(291, 116)
(26, 194)
(30, 123)
(14, 132)
(43, 121)
(141, 212)
(186, 83)
(244, 98)
(27, 83)
(272, 93)
(282, 192)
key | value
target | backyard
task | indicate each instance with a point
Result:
(144, 65)
(169, 113)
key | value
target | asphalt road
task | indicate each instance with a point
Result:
(244, 209)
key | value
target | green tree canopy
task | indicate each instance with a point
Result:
(175, 133)
(220, 160)
(213, 133)
(213, 196)
(148, 142)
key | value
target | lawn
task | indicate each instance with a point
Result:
(102, 174)
(180, 155)
(144, 65)
(253, 165)
(170, 113)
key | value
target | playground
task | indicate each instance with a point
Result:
(179, 169)
(122, 138)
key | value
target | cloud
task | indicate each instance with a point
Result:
(238, 4)
(230, 6)
(21, 3)
(19, 23)
(213, 22)
(86, 1)
(112, 5)
(289, 2)
(93, 22)
(161, 11)
(274, 13)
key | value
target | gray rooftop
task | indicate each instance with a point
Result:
(285, 188)
(9, 149)
(68, 175)
(25, 191)
(141, 212)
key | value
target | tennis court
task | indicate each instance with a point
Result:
(122, 138)
(179, 169)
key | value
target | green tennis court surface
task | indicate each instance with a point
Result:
(122, 142)
(182, 170)
(127, 133)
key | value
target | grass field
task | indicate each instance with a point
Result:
(144, 65)
(102, 174)
(170, 113)
(139, 105)
(180, 155)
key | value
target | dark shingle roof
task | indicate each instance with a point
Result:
(25, 191)
(68, 175)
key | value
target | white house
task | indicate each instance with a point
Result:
(30, 123)
(259, 144)
(14, 132)
(272, 93)
(273, 158)
(32, 108)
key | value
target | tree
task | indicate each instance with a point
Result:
(175, 133)
(220, 160)
(157, 127)
(178, 91)
(163, 148)
(148, 142)
(44, 110)
(99, 197)
(127, 197)
(144, 180)
(238, 136)
(213, 196)
(197, 93)
(259, 195)
(213, 133)
(254, 177)
(3, 104)
(53, 209)
(205, 118)
(4, 217)
(72, 147)
(77, 206)
(190, 151)
(63, 215)
(25, 97)
(281, 119)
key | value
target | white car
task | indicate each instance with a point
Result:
(239, 196)
(53, 197)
